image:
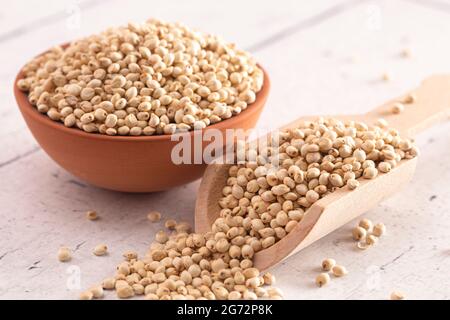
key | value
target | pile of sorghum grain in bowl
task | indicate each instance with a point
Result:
(264, 199)
(143, 79)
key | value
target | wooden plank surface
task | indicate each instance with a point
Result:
(324, 57)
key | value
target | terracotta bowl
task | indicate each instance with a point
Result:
(124, 163)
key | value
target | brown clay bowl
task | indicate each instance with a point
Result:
(124, 163)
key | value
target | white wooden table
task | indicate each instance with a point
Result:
(324, 57)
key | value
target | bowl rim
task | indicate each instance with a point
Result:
(26, 107)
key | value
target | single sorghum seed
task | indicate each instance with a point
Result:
(396, 295)
(328, 264)
(322, 279)
(92, 215)
(359, 233)
(366, 224)
(86, 295)
(386, 76)
(100, 250)
(371, 240)
(362, 245)
(410, 98)
(154, 216)
(352, 184)
(170, 224)
(379, 229)
(97, 291)
(64, 254)
(397, 108)
(339, 271)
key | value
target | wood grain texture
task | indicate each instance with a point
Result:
(42, 206)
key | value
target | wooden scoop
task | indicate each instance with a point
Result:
(336, 209)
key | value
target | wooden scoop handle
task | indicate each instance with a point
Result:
(432, 106)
